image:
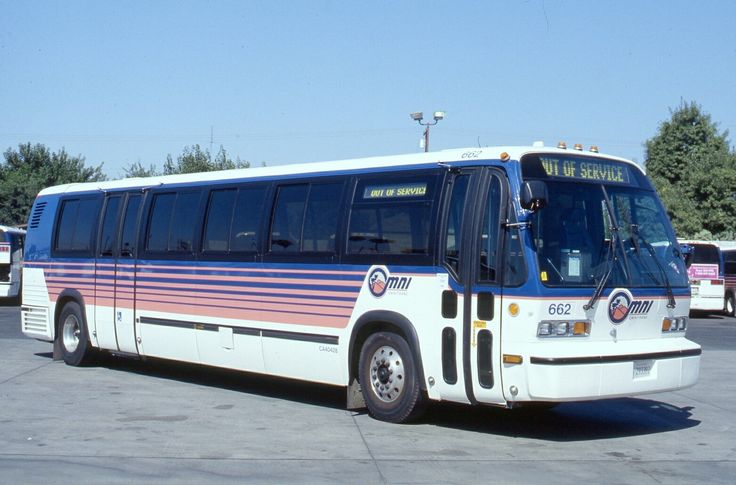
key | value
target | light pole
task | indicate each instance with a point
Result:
(419, 116)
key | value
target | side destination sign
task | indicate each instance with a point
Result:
(590, 170)
(395, 191)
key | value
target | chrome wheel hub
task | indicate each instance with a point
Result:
(387, 374)
(70, 333)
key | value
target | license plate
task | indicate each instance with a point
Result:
(642, 368)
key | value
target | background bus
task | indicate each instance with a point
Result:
(11, 258)
(498, 276)
(712, 272)
(728, 251)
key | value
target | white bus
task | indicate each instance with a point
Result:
(11, 259)
(498, 276)
(704, 263)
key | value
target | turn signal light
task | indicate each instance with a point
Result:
(512, 359)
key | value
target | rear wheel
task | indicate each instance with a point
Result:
(72, 335)
(389, 378)
(730, 306)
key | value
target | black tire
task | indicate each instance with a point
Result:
(72, 335)
(389, 379)
(730, 306)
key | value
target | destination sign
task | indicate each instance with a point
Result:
(395, 191)
(585, 169)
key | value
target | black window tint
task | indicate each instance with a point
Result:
(321, 218)
(391, 215)
(109, 226)
(67, 221)
(489, 235)
(246, 219)
(130, 224)
(219, 217)
(403, 229)
(77, 222)
(287, 219)
(455, 221)
(158, 227)
(183, 221)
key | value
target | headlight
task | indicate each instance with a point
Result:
(563, 328)
(674, 324)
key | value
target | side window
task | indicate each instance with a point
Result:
(159, 222)
(219, 219)
(76, 226)
(490, 232)
(172, 222)
(391, 218)
(109, 226)
(455, 221)
(321, 218)
(306, 217)
(286, 227)
(183, 221)
(246, 219)
(130, 224)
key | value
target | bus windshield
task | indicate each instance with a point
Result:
(616, 231)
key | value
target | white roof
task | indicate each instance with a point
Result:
(462, 155)
(13, 230)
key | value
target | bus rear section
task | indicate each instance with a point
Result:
(705, 272)
(11, 257)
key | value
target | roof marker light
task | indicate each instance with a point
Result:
(562, 145)
(505, 157)
(578, 147)
(594, 148)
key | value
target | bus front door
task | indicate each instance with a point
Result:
(483, 291)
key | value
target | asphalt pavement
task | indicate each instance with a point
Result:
(128, 420)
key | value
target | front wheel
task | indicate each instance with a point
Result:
(730, 307)
(72, 335)
(389, 378)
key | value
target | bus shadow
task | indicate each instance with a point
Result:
(580, 421)
(240, 381)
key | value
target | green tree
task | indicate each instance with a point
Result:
(138, 170)
(30, 168)
(194, 159)
(694, 170)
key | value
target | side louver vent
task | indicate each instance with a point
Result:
(36, 216)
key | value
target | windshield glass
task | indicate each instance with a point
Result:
(577, 238)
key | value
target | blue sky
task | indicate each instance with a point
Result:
(299, 81)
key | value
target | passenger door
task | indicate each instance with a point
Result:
(483, 289)
(125, 276)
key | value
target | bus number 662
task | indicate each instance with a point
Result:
(559, 309)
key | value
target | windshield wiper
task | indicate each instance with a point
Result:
(611, 263)
(635, 236)
(612, 259)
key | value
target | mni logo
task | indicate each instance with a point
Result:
(621, 304)
(379, 281)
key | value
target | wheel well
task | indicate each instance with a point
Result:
(366, 327)
(61, 302)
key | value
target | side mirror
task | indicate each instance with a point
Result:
(534, 195)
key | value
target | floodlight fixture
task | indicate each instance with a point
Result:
(418, 116)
